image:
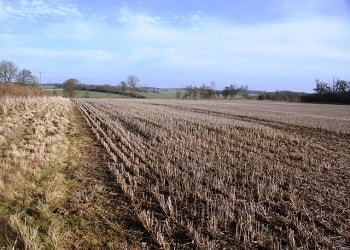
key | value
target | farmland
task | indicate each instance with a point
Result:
(54, 192)
(230, 174)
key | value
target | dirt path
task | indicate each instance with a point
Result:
(98, 214)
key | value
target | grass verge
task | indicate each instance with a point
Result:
(33, 146)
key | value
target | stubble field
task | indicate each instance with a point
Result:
(230, 174)
(55, 191)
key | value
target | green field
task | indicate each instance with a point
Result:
(86, 94)
(161, 95)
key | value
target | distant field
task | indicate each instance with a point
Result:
(94, 94)
(230, 174)
(86, 94)
(161, 95)
(330, 117)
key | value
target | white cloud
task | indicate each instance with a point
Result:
(98, 55)
(43, 9)
(72, 31)
(193, 45)
(287, 47)
(8, 40)
(129, 17)
(3, 13)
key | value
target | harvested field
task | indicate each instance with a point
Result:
(230, 174)
(55, 189)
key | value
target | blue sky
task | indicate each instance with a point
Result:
(268, 45)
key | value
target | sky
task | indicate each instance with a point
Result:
(265, 44)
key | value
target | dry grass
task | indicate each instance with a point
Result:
(32, 148)
(10, 89)
(215, 175)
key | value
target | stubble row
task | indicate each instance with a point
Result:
(209, 181)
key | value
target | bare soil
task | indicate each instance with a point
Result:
(214, 175)
(97, 212)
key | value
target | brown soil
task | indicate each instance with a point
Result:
(97, 212)
(220, 179)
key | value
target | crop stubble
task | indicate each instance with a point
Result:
(222, 174)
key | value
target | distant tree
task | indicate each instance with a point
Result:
(132, 83)
(262, 97)
(178, 94)
(338, 92)
(225, 92)
(194, 92)
(213, 86)
(123, 87)
(205, 92)
(322, 87)
(243, 91)
(340, 86)
(69, 87)
(188, 91)
(25, 77)
(230, 91)
(286, 96)
(8, 71)
(202, 91)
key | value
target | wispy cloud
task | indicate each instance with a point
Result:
(80, 54)
(43, 9)
(185, 47)
(206, 41)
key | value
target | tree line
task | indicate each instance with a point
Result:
(206, 91)
(336, 92)
(128, 88)
(284, 96)
(10, 73)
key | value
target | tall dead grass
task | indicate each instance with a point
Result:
(33, 145)
(15, 90)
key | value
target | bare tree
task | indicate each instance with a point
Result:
(178, 94)
(25, 77)
(243, 91)
(188, 91)
(123, 87)
(8, 71)
(340, 86)
(132, 82)
(230, 91)
(69, 87)
(233, 90)
(322, 87)
(205, 92)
